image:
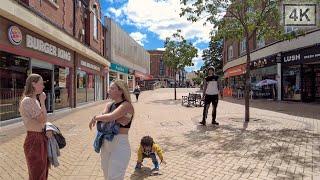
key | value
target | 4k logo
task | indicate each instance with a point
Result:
(300, 14)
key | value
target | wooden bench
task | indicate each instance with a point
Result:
(192, 99)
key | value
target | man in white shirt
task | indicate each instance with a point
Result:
(210, 95)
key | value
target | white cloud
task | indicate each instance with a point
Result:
(139, 37)
(161, 49)
(116, 12)
(197, 62)
(163, 18)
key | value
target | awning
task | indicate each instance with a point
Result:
(235, 71)
(142, 76)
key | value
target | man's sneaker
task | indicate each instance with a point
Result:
(203, 123)
(215, 123)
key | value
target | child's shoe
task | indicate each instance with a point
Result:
(156, 167)
(138, 166)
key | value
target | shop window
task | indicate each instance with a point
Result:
(13, 75)
(81, 86)
(90, 89)
(62, 87)
(112, 76)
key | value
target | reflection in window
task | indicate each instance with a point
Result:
(62, 87)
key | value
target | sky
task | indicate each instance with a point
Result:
(149, 22)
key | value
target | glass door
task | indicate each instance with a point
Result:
(308, 84)
(45, 70)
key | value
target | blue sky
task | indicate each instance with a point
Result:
(149, 22)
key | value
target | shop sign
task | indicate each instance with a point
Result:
(295, 57)
(119, 68)
(235, 71)
(89, 65)
(264, 62)
(45, 47)
(306, 54)
(15, 35)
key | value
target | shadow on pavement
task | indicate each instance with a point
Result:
(165, 102)
(282, 147)
(143, 173)
(310, 110)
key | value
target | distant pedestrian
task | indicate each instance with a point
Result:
(148, 149)
(34, 115)
(210, 95)
(137, 91)
(115, 152)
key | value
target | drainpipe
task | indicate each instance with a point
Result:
(74, 88)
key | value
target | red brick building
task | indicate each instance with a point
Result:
(159, 70)
(292, 64)
(63, 41)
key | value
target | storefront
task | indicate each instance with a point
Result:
(261, 69)
(90, 78)
(301, 74)
(142, 79)
(23, 52)
(118, 71)
(234, 80)
(131, 80)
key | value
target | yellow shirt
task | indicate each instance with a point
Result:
(155, 148)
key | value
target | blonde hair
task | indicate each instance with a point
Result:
(28, 88)
(124, 88)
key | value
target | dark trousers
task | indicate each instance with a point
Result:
(137, 96)
(153, 157)
(207, 100)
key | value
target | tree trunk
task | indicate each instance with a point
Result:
(247, 83)
(175, 85)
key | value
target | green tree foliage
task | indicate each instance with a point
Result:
(241, 19)
(212, 56)
(178, 54)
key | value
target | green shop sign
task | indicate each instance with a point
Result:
(119, 68)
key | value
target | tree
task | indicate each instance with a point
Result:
(212, 56)
(242, 19)
(197, 80)
(178, 54)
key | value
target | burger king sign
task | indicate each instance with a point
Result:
(15, 35)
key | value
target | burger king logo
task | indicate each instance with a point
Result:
(15, 35)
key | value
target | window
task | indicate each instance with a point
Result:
(243, 46)
(230, 53)
(260, 42)
(95, 27)
(54, 3)
(161, 73)
(289, 29)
